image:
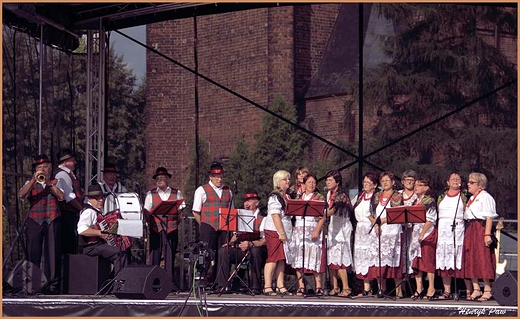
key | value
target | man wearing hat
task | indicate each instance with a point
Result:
(207, 202)
(44, 219)
(163, 229)
(252, 244)
(111, 185)
(73, 202)
(92, 239)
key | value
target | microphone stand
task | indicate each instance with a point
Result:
(453, 225)
(380, 292)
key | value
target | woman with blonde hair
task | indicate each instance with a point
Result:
(277, 232)
(478, 254)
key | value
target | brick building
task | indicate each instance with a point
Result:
(293, 51)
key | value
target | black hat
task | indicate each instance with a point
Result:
(42, 158)
(216, 169)
(161, 171)
(65, 154)
(251, 193)
(94, 190)
(109, 168)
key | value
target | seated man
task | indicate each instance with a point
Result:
(240, 245)
(93, 241)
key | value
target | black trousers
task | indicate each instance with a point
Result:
(45, 241)
(257, 257)
(215, 240)
(69, 231)
(114, 254)
(164, 244)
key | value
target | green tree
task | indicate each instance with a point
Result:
(439, 62)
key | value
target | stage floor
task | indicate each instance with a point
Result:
(242, 305)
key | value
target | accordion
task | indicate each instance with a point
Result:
(107, 224)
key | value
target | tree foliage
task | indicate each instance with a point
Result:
(441, 61)
(64, 93)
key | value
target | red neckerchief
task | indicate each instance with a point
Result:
(473, 199)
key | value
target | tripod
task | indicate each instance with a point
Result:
(304, 208)
(405, 215)
(197, 290)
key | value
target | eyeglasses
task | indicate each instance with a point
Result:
(409, 180)
(420, 185)
(455, 180)
(471, 182)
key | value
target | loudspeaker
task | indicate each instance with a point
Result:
(504, 290)
(26, 276)
(84, 275)
(142, 282)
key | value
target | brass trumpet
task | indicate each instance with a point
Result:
(40, 178)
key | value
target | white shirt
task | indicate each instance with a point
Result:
(87, 219)
(106, 189)
(482, 207)
(200, 196)
(164, 195)
(67, 183)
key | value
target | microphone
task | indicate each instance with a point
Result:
(325, 189)
(235, 187)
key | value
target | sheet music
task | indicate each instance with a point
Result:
(246, 221)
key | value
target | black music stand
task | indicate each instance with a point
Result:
(405, 215)
(304, 208)
(240, 221)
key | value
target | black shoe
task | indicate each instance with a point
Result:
(256, 292)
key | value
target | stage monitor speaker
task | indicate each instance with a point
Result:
(25, 276)
(142, 282)
(505, 290)
(85, 275)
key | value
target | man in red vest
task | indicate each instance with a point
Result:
(246, 242)
(207, 202)
(163, 229)
(73, 202)
(44, 220)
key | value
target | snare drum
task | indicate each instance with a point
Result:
(128, 204)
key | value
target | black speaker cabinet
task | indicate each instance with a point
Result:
(504, 290)
(26, 276)
(84, 275)
(142, 282)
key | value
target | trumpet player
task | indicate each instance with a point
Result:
(44, 220)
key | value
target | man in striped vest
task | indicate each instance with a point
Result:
(164, 234)
(207, 202)
(44, 220)
(252, 243)
(73, 202)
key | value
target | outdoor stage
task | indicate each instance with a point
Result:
(243, 305)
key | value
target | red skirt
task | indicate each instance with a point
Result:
(387, 272)
(426, 262)
(274, 246)
(459, 273)
(478, 260)
(371, 274)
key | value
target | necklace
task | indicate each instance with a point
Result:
(408, 198)
(365, 197)
(454, 195)
(383, 200)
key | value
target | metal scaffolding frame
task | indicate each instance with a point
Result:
(97, 51)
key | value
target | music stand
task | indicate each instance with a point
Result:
(240, 221)
(405, 215)
(304, 208)
(167, 208)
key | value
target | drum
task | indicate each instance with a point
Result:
(128, 204)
